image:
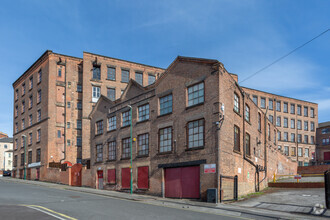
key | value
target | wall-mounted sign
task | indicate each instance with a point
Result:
(37, 164)
(209, 168)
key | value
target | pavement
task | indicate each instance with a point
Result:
(302, 180)
(303, 201)
(250, 209)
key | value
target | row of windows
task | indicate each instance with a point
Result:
(28, 139)
(195, 139)
(125, 75)
(278, 106)
(30, 84)
(30, 122)
(292, 123)
(30, 103)
(195, 97)
(29, 158)
(293, 151)
(293, 138)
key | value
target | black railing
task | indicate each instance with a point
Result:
(327, 188)
(235, 188)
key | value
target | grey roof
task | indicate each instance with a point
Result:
(324, 124)
(6, 140)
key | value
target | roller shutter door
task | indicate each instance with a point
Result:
(182, 182)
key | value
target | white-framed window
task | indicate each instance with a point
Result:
(96, 93)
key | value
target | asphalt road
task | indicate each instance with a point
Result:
(24, 201)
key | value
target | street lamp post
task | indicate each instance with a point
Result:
(24, 156)
(131, 143)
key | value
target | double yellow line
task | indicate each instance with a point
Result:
(50, 212)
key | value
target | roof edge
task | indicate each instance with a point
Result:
(123, 60)
(280, 95)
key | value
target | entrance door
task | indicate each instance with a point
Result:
(76, 174)
(182, 182)
(326, 155)
(100, 179)
(28, 174)
(38, 174)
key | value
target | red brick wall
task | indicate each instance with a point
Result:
(320, 169)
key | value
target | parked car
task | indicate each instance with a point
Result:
(7, 173)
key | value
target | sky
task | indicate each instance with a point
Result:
(244, 35)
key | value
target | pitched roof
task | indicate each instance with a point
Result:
(6, 140)
(102, 98)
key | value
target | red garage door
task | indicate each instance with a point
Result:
(182, 182)
(326, 155)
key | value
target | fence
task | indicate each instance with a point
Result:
(228, 188)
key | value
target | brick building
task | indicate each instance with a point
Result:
(296, 121)
(52, 100)
(323, 143)
(194, 117)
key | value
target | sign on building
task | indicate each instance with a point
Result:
(209, 168)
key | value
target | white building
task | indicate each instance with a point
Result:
(6, 153)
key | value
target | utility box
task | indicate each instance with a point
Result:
(212, 195)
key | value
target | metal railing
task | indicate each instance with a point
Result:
(327, 188)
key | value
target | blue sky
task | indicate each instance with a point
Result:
(244, 35)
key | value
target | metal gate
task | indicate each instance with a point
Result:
(228, 188)
(327, 188)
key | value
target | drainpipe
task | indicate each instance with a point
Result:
(244, 142)
(64, 151)
(265, 147)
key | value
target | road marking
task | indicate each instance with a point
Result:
(49, 212)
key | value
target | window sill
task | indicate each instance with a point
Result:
(38, 82)
(248, 122)
(142, 156)
(98, 134)
(126, 126)
(99, 162)
(237, 113)
(111, 79)
(194, 148)
(192, 106)
(38, 142)
(109, 130)
(109, 161)
(96, 80)
(237, 152)
(159, 116)
(164, 153)
(123, 82)
(125, 158)
(139, 122)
